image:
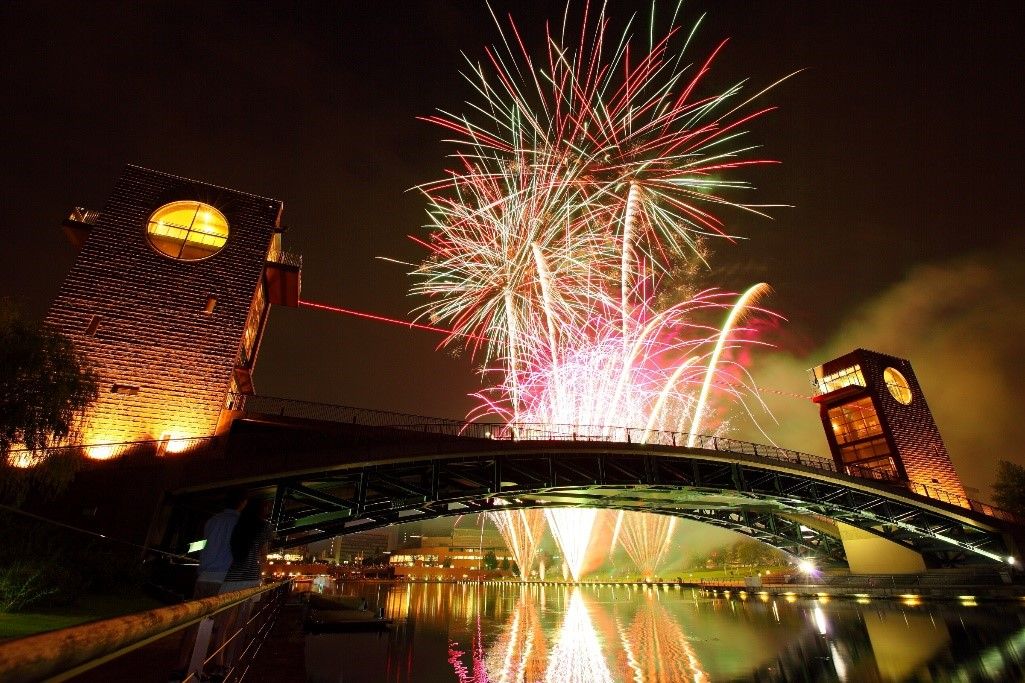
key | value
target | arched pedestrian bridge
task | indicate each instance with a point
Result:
(334, 470)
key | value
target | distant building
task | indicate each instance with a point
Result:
(298, 554)
(458, 555)
(468, 538)
(879, 425)
(354, 548)
(406, 535)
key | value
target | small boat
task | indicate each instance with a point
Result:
(324, 614)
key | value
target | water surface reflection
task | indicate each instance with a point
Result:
(468, 633)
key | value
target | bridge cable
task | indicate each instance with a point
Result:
(15, 510)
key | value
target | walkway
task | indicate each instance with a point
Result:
(282, 657)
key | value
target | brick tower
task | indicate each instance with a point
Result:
(878, 423)
(168, 298)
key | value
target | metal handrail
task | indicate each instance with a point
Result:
(227, 648)
(61, 654)
(535, 432)
(80, 214)
(437, 426)
(521, 431)
(286, 258)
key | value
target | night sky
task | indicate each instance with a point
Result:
(901, 144)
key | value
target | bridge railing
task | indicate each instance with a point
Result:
(517, 431)
(286, 258)
(388, 420)
(722, 444)
(244, 617)
(961, 501)
(546, 432)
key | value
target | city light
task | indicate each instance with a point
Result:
(175, 442)
(101, 452)
(23, 458)
(806, 567)
(579, 201)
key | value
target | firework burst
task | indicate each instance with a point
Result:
(572, 528)
(603, 157)
(582, 179)
(646, 539)
(521, 530)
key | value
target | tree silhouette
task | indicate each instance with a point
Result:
(1009, 489)
(45, 387)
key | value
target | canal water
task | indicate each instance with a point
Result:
(463, 633)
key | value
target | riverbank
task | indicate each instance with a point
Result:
(903, 588)
(966, 595)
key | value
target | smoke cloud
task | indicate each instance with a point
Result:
(961, 324)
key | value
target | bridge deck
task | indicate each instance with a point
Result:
(335, 469)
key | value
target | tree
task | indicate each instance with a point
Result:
(490, 560)
(375, 559)
(45, 387)
(1009, 489)
(505, 564)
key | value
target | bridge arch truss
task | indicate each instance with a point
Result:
(790, 506)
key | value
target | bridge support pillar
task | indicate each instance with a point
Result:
(870, 554)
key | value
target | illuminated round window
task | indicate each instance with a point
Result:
(187, 230)
(897, 385)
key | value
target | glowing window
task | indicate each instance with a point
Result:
(866, 453)
(898, 385)
(859, 464)
(846, 377)
(855, 421)
(187, 230)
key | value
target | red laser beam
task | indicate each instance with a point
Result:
(441, 330)
(384, 319)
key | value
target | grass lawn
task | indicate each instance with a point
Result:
(86, 608)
